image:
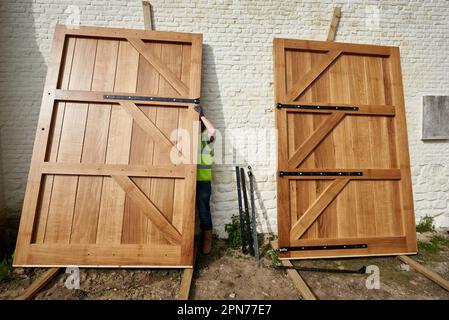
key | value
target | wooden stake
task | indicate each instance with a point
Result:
(298, 281)
(186, 281)
(334, 24)
(38, 284)
(147, 15)
(426, 272)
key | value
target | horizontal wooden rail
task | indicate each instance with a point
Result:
(98, 97)
(132, 255)
(369, 109)
(113, 169)
(368, 174)
(401, 240)
(119, 33)
(344, 47)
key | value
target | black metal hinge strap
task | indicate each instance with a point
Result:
(155, 99)
(319, 173)
(329, 247)
(317, 107)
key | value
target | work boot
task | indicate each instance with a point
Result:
(207, 242)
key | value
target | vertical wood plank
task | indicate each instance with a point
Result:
(335, 221)
(283, 202)
(162, 190)
(39, 150)
(185, 124)
(397, 224)
(112, 205)
(380, 142)
(324, 153)
(362, 133)
(62, 203)
(402, 150)
(188, 222)
(53, 143)
(136, 227)
(85, 219)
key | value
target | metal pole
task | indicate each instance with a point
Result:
(253, 213)
(248, 222)
(242, 221)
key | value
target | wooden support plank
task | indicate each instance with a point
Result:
(186, 281)
(317, 136)
(332, 30)
(151, 211)
(174, 81)
(88, 169)
(426, 272)
(298, 281)
(147, 15)
(317, 208)
(38, 284)
(303, 83)
(147, 125)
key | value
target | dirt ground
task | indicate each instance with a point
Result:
(227, 274)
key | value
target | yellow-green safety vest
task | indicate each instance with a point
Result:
(205, 158)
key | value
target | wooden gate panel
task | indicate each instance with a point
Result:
(101, 173)
(370, 139)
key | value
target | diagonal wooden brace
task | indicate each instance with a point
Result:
(317, 208)
(150, 210)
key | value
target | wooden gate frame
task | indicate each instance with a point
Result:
(332, 50)
(120, 173)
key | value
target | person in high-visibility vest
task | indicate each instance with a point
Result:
(204, 178)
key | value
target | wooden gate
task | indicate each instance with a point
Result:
(343, 185)
(102, 189)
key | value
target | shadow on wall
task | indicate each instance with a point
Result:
(3, 240)
(224, 194)
(213, 107)
(22, 69)
(263, 214)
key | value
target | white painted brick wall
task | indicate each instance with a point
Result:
(237, 75)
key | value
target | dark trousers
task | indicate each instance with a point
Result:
(203, 192)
